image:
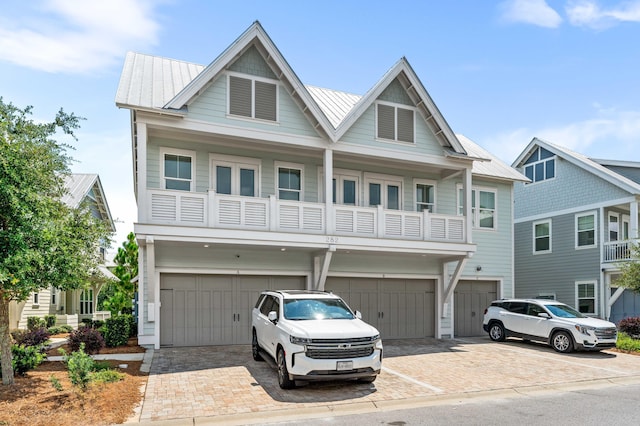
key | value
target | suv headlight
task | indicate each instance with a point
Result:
(299, 340)
(375, 338)
(584, 329)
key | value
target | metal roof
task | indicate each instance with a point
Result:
(334, 104)
(492, 167)
(78, 186)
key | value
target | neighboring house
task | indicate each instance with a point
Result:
(247, 180)
(574, 223)
(71, 307)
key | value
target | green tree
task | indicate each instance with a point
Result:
(122, 293)
(43, 242)
(630, 276)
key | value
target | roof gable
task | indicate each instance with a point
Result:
(579, 160)
(81, 188)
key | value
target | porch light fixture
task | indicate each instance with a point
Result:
(478, 268)
(206, 246)
(283, 249)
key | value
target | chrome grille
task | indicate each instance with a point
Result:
(335, 352)
(606, 333)
(341, 341)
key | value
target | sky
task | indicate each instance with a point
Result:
(500, 72)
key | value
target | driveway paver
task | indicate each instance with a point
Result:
(201, 382)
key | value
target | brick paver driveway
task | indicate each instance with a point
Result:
(225, 380)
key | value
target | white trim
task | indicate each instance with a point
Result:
(593, 213)
(434, 184)
(595, 295)
(183, 153)
(475, 211)
(395, 107)
(573, 210)
(235, 163)
(339, 175)
(384, 181)
(615, 215)
(253, 79)
(294, 166)
(533, 230)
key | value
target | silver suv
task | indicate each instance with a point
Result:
(314, 335)
(557, 324)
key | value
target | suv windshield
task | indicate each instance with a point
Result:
(564, 311)
(316, 309)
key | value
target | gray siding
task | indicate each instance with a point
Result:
(632, 173)
(572, 187)
(394, 92)
(558, 271)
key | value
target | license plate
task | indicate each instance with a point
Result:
(344, 365)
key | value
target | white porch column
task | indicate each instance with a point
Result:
(328, 191)
(467, 188)
(633, 211)
(141, 167)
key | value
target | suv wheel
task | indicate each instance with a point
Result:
(255, 349)
(562, 342)
(496, 332)
(283, 374)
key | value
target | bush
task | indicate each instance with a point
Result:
(626, 343)
(116, 330)
(35, 337)
(631, 326)
(106, 376)
(26, 358)
(79, 366)
(35, 322)
(133, 326)
(90, 337)
(50, 320)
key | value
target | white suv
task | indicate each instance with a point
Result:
(314, 336)
(554, 323)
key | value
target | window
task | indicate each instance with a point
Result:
(177, 169)
(253, 98)
(546, 296)
(586, 230)
(395, 123)
(586, 297)
(541, 165)
(483, 217)
(614, 226)
(425, 196)
(345, 189)
(289, 181)
(36, 298)
(54, 296)
(542, 237)
(383, 190)
(235, 175)
(86, 302)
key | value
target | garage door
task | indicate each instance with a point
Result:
(201, 310)
(470, 300)
(399, 309)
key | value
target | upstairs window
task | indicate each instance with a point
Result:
(586, 230)
(541, 165)
(395, 123)
(289, 181)
(483, 207)
(253, 98)
(235, 175)
(542, 237)
(425, 196)
(177, 169)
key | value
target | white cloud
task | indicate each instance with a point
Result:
(610, 134)
(73, 36)
(535, 12)
(589, 14)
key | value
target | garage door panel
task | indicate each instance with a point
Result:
(470, 300)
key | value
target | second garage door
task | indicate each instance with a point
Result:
(398, 308)
(470, 300)
(200, 310)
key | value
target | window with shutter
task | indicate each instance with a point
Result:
(253, 98)
(395, 123)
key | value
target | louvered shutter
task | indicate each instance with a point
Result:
(386, 122)
(240, 96)
(405, 125)
(265, 101)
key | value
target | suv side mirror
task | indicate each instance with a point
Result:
(358, 315)
(544, 315)
(273, 316)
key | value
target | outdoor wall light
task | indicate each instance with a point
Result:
(478, 268)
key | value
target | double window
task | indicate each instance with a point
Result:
(586, 230)
(395, 123)
(253, 98)
(541, 165)
(483, 207)
(542, 236)
(235, 175)
(86, 302)
(382, 190)
(177, 169)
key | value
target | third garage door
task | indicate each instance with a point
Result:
(398, 308)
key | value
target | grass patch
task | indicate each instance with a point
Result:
(627, 343)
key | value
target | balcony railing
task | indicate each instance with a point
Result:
(271, 214)
(618, 251)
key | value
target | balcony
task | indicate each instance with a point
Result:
(618, 251)
(271, 214)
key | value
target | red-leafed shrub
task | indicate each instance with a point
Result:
(631, 326)
(92, 339)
